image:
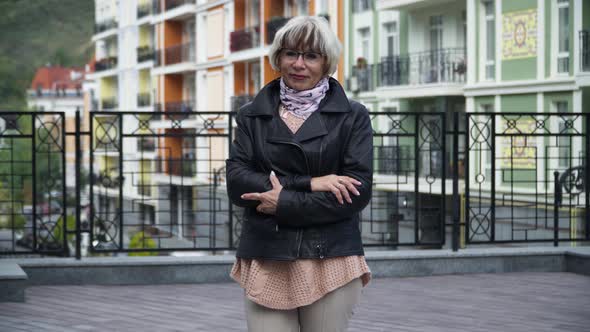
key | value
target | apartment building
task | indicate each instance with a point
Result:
(178, 56)
(467, 56)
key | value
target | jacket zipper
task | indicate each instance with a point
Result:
(299, 232)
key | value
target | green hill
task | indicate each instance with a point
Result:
(36, 32)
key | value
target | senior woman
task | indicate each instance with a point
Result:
(301, 166)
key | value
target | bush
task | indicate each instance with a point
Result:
(58, 230)
(140, 241)
(18, 225)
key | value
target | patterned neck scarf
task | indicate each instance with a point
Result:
(302, 104)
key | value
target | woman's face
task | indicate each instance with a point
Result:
(301, 69)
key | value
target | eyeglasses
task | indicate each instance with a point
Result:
(308, 57)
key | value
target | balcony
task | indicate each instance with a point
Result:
(239, 101)
(108, 179)
(178, 167)
(439, 66)
(105, 25)
(160, 6)
(144, 99)
(144, 9)
(361, 79)
(273, 25)
(244, 39)
(109, 103)
(175, 106)
(145, 53)
(584, 50)
(106, 64)
(146, 144)
(176, 54)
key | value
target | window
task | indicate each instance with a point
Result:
(361, 5)
(365, 43)
(563, 26)
(490, 40)
(464, 32)
(390, 39)
(436, 32)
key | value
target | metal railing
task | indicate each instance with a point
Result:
(144, 9)
(106, 64)
(244, 39)
(362, 79)
(145, 53)
(109, 103)
(183, 106)
(176, 54)
(447, 65)
(144, 99)
(105, 25)
(476, 178)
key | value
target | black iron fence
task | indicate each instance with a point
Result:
(155, 181)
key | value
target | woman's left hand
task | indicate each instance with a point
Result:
(269, 199)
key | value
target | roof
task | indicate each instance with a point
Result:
(57, 77)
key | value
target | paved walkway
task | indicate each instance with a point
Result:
(513, 302)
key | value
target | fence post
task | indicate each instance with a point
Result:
(77, 168)
(455, 238)
(556, 203)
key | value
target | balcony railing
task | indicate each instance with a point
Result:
(585, 50)
(145, 53)
(273, 26)
(105, 25)
(176, 54)
(109, 103)
(146, 144)
(175, 106)
(239, 101)
(437, 66)
(168, 4)
(177, 166)
(361, 79)
(144, 9)
(106, 64)
(244, 39)
(143, 99)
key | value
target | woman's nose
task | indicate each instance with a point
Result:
(299, 62)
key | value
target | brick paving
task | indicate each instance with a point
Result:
(513, 302)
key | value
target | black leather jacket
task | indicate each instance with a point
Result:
(336, 139)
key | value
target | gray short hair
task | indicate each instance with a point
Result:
(307, 33)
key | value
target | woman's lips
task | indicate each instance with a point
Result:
(298, 77)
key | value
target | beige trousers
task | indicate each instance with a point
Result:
(331, 313)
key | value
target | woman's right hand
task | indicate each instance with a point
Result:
(340, 186)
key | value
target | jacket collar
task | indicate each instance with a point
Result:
(267, 100)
